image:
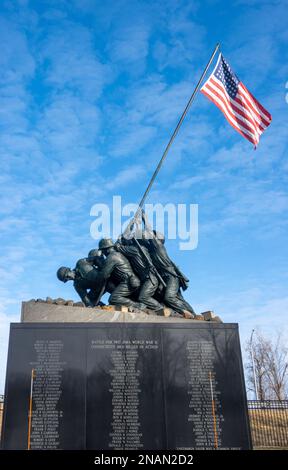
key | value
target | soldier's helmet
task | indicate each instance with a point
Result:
(61, 273)
(94, 253)
(105, 243)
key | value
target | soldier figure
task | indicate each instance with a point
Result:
(172, 276)
(86, 278)
(149, 282)
(118, 266)
(130, 270)
(81, 286)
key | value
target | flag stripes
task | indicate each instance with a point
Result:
(241, 109)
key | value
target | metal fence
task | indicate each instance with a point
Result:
(269, 423)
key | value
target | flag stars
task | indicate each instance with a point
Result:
(225, 74)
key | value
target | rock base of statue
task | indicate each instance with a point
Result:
(166, 383)
(60, 310)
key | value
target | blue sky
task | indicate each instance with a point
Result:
(90, 93)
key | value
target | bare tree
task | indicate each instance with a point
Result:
(268, 367)
(255, 369)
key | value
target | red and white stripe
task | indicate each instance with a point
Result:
(244, 112)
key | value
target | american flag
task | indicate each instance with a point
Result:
(240, 108)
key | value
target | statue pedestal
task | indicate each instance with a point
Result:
(46, 312)
(122, 382)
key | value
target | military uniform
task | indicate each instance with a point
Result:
(149, 282)
(118, 266)
(86, 282)
(173, 278)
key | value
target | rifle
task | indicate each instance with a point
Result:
(144, 255)
(183, 279)
(150, 264)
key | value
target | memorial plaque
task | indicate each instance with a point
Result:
(57, 357)
(125, 386)
(204, 388)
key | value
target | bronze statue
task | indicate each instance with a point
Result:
(81, 286)
(118, 266)
(85, 277)
(136, 271)
(148, 280)
(171, 274)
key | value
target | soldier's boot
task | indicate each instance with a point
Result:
(87, 302)
(137, 307)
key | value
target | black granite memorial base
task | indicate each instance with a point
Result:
(125, 386)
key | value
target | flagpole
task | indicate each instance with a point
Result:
(141, 203)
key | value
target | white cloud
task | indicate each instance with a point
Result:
(128, 175)
(190, 181)
(158, 103)
(16, 61)
(131, 44)
(132, 140)
(69, 123)
(5, 321)
(183, 44)
(252, 308)
(71, 62)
